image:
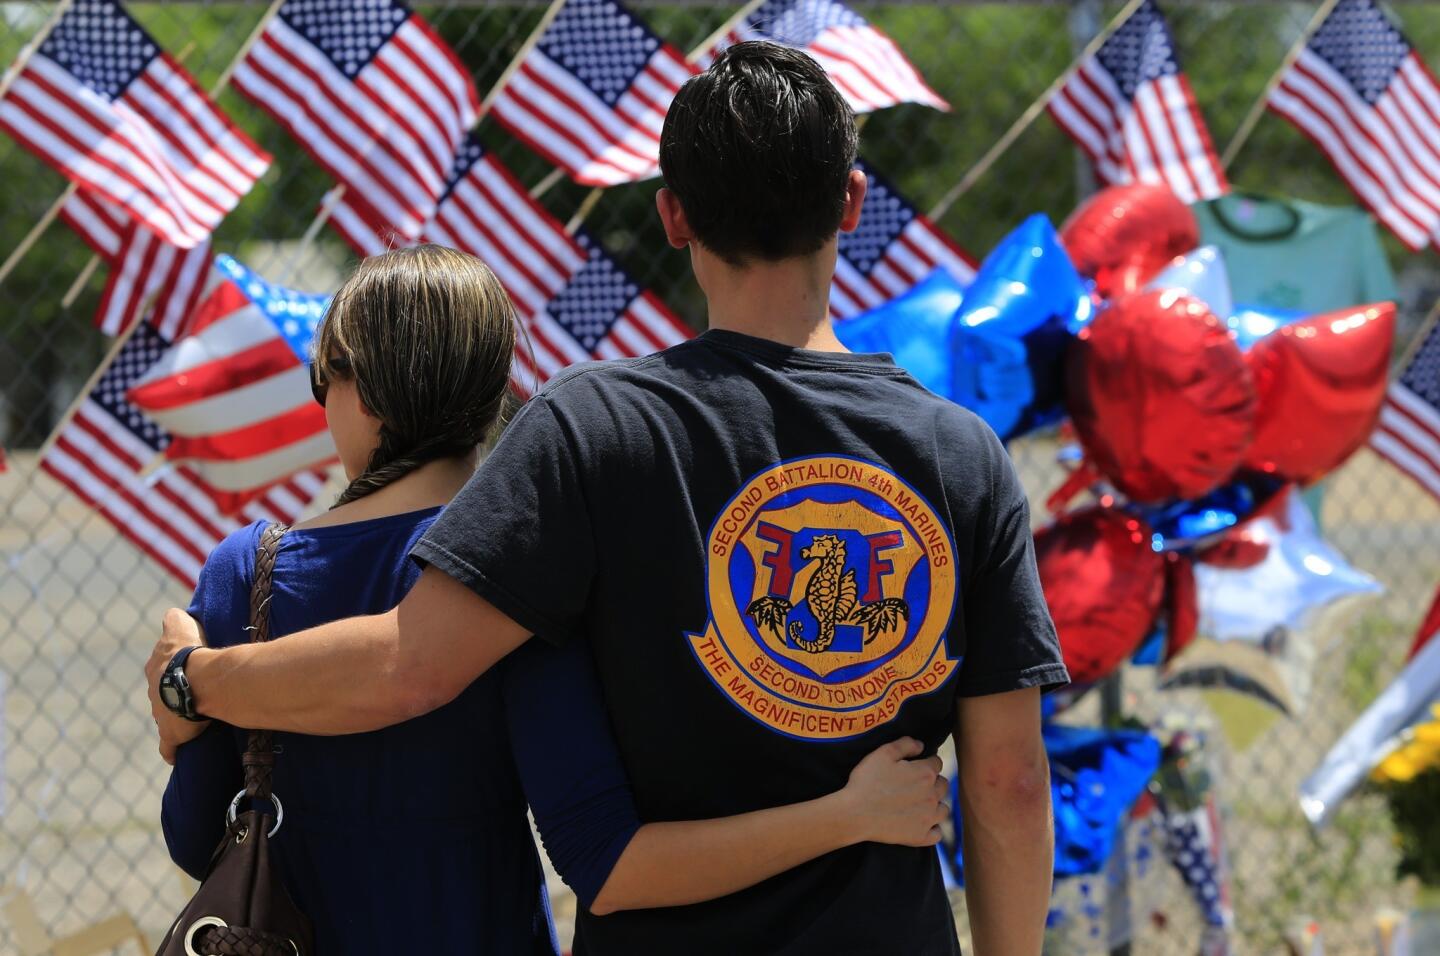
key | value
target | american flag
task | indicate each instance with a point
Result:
(172, 515)
(373, 94)
(1194, 845)
(104, 105)
(235, 394)
(1131, 109)
(148, 271)
(591, 97)
(1408, 433)
(486, 212)
(601, 313)
(864, 64)
(894, 247)
(1361, 94)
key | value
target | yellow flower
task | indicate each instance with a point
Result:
(1419, 752)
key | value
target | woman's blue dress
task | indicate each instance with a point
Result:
(411, 839)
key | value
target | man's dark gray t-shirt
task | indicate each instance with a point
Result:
(781, 559)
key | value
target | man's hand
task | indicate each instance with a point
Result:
(896, 798)
(179, 631)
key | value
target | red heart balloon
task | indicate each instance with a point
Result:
(1160, 396)
(1319, 386)
(1122, 236)
(1103, 583)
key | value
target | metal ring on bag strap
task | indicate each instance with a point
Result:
(235, 809)
(196, 927)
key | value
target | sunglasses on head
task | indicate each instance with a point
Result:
(319, 385)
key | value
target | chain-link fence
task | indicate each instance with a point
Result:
(80, 847)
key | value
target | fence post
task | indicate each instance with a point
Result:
(1084, 25)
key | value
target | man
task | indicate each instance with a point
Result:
(781, 554)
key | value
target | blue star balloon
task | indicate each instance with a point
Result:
(1019, 316)
(914, 327)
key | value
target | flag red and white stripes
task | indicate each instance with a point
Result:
(98, 221)
(105, 106)
(1408, 432)
(864, 64)
(234, 395)
(372, 93)
(148, 271)
(1361, 94)
(106, 456)
(591, 96)
(1131, 109)
(894, 247)
(486, 212)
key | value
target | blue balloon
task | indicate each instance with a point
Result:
(1251, 323)
(1019, 315)
(1095, 778)
(914, 327)
(998, 346)
(1182, 525)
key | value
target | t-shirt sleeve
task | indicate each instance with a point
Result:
(569, 765)
(518, 534)
(1010, 641)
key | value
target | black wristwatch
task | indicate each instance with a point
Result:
(175, 687)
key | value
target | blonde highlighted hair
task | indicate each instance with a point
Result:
(428, 334)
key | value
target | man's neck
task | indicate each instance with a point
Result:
(786, 301)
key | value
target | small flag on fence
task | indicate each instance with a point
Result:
(171, 515)
(1362, 95)
(1130, 108)
(144, 269)
(1408, 433)
(235, 395)
(373, 94)
(486, 212)
(104, 105)
(601, 313)
(894, 247)
(865, 65)
(591, 97)
(150, 271)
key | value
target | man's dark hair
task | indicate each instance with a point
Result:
(758, 149)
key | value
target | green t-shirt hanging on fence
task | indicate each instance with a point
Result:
(1290, 254)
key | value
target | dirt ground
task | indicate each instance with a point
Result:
(79, 796)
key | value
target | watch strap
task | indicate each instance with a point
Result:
(181, 656)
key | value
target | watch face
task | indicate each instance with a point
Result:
(169, 696)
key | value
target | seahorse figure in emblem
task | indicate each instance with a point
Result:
(833, 598)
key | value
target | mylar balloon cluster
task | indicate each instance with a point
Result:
(1193, 412)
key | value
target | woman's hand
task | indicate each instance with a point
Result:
(180, 630)
(894, 798)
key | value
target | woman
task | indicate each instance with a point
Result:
(415, 838)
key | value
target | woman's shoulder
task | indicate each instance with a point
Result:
(223, 590)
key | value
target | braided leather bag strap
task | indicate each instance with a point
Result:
(241, 941)
(259, 756)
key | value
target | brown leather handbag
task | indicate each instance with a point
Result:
(242, 908)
